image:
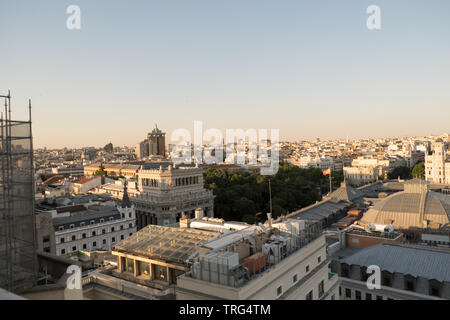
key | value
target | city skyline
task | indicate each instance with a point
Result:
(310, 70)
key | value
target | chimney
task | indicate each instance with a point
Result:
(199, 213)
(185, 222)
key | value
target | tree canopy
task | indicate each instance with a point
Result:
(402, 172)
(239, 196)
(419, 170)
(101, 171)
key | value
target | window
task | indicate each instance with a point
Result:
(46, 249)
(434, 291)
(103, 231)
(85, 246)
(364, 275)
(84, 235)
(358, 295)
(74, 248)
(102, 220)
(309, 296)
(93, 233)
(121, 237)
(295, 278)
(111, 218)
(307, 268)
(60, 228)
(82, 224)
(321, 288)
(368, 296)
(121, 227)
(279, 290)
(104, 241)
(94, 244)
(112, 229)
(63, 251)
(379, 298)
(72, 226)
(319, 259)
(130, 225)
(46, 239)
(92, 222)
(348, 293)
(435, 288)
(129, 215)
(74, 238)
(409, 283)
(113, 239)
(61, 240)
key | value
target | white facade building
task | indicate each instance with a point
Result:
(437, 164)
(98, 230)
(358, 176)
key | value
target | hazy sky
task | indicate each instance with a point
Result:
(310, 68)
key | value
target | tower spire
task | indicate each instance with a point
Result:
(126, 203)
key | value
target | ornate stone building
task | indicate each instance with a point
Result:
(166, 191)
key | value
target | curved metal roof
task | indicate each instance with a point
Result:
(415, 261)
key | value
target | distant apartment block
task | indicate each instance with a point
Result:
(76, 170)
(322, 163)
(368, 169)
(127, 169)
(85, 184)
(153, 145)
(359, 176)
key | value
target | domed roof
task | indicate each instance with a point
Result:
(414, 207)
(411, 203)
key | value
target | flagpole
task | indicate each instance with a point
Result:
(270, 197)
(330, 181)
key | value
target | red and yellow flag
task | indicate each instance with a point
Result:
(327, 172)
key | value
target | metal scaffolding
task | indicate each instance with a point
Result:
(18, 259)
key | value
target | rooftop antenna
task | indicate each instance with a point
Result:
(269, 215)
(29, 109)
(270, 197)
(9, 104)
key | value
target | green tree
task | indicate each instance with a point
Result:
(419, 170)
(402, 172)
(239, 196)
(101, 171)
